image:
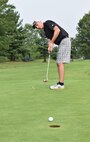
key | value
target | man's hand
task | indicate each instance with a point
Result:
(50, 46)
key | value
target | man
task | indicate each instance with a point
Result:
(56, 35)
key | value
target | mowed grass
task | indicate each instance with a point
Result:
(26, 102)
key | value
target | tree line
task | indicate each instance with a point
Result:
(23, 43)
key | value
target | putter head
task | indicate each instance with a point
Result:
(45, 80)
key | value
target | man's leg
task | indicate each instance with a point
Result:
(60, 84)
(60, 68)
(63, 56)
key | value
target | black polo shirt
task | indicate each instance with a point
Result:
(49, 30)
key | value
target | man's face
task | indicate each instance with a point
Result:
(39, 25)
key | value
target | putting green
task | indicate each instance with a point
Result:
(26, 102)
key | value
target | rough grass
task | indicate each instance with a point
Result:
(26, 103)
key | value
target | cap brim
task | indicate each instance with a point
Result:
(34, 25)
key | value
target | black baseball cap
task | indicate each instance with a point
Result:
(34, 24)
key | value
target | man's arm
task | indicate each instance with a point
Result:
(55, 35)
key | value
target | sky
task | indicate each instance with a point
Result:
(66, 13)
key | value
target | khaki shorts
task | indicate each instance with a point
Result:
(64, 51)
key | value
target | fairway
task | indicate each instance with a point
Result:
(26, 102)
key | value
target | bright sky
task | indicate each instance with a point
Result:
(66, 13)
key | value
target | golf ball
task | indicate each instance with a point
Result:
(45, 80)
(50, 119)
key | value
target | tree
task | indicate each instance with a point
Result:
(35, 42)
(42, 45)
(4, 27)
(82, 40)
(74, 49)
(11, 31)
(30, 42)
(16, 50)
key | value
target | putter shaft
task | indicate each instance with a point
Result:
(47, 68)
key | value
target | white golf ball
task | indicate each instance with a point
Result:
(50, 119)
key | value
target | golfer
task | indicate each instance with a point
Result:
(57, 35)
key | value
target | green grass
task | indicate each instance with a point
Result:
(26, 102)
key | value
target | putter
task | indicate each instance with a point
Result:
(46, 80)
